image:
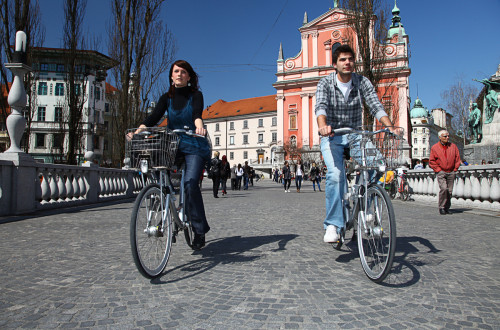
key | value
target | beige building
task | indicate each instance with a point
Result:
(245, 130)
(425, 128)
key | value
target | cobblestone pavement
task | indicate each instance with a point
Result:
(264, 266)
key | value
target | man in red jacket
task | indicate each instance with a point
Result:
(445, 161)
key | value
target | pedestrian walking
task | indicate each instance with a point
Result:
(234, 178)
(246, 174)
(445, 161)
(239, 176)
(215, 171)
(251, 175)
(314, 175)
(225, 172)
(299, 174)
(287, 176)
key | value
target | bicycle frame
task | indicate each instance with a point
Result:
(170, 199)
(359, 200)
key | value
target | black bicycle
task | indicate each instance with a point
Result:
(159, 211)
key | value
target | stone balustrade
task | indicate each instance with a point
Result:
(475, 186)
(31, 186)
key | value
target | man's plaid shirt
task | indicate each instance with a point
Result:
(346, 113)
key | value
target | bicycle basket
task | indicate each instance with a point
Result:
(158, 145)
(380, 149)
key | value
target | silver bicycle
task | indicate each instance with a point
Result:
(367, 207)
(159, 211)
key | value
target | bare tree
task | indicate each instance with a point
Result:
(74, 11)
(19, 15)
(144, 48)
(368, 23)
(457, 99)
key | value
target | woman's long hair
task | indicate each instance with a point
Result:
(224, 160)
(193, 81)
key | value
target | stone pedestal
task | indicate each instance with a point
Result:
(475, 153)
(489, 147)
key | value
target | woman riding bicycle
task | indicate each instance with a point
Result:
(183, 105)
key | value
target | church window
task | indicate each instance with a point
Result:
(293, 122)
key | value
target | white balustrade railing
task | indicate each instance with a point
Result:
(475, 186)
(36, 186)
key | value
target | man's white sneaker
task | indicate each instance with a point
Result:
(331, 235)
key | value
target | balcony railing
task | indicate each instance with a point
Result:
(35, 186)
(475, 186)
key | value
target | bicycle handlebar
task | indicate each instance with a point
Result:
(188, 132)
(346, 130)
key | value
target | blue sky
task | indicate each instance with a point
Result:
(233, 45)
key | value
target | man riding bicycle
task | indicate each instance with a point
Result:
(339, 99)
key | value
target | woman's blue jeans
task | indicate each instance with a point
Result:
(194, 200)
(298, 181)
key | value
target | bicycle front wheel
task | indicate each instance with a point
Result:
(150, 239)
(405, 191)
(377, 235)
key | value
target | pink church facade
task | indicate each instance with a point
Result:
(297, 77)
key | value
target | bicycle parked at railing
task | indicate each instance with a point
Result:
(367, 207)
(159, 211)
(399, 187)
(403, 187)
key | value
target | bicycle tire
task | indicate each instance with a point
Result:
(405, 191)
(377, 244)
(151, 247)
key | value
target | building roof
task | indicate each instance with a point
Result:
(418, 110)
(254, 105)
(93, 56)
(110, 89)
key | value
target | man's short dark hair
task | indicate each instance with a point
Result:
(342, 49)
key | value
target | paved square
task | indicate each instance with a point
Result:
(264, 266)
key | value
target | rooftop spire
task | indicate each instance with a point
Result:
(305, 19)
(396, 26)
(280, 55)
(335, 3)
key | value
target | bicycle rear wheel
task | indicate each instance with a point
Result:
(150, 241)
(377, 240)
(405, 191)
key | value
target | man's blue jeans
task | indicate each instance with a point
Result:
(245, 179)
(194, 200)
(332, 149)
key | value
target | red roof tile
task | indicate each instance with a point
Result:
(110, 89)
(253, 105)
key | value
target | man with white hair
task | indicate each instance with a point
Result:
(445, 161)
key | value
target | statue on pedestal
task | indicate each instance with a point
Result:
(475, 124)
(491, 97)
